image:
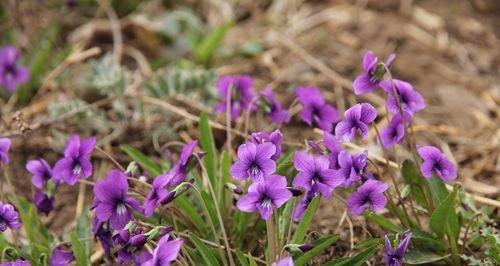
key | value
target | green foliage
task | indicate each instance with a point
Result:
(412, 177)
(208, 257)
(442, 219)
(82, 259)
(319, 246)
(208, 145)
(207, 46)
(418, 257)
(106, 77)
(355, 260)
(84, 231)
(305, 222)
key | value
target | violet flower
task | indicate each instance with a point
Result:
(76, 161)
(166, 252)
(18, 262)
(254, 162)
(5, 144)
(315, 110)
(369, 195)
(373, 73)
(265, 196)
(302, 205)
(43, 202)
(102, 234)
(241, 94)
(9, 218)
(352, 168)
(158, 194)
(276, 137)
(332, 144)
(356, 119)
(394, 133)
(394, 257)
(61, 256)
(142, 257)
(11, 74)
(315, 174)
(288, 261)
(273, 108)
(179, 171)
(435, 162)
(411, 101)
(112, 203)
(41, 170)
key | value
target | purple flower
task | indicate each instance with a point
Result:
(315, 174)
(8, 217)
(395, 257)
(76, 160)
(394, 133)
(373, 73)
(254, 162)
(276, 137)
(41, 170)
(158, 194)
(112, 203)
(352, 168)
(166, 252)
(18, 262)
(43, 202)
(370, 194)
(5, 144)
(288, 261)
(436, 162)
(273, 107)
(11, 74)
(240, 97)
(102, 234)
(142, 257)
(410, 100)
(179, 171)
(264, 196)
(302, 205)
(333, 146)
(61, 256)
(315, 110)
(356, 119)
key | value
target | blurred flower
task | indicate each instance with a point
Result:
(142, 257)
(352, 168)
(373, 73)
(275, 138)
(436, 162)
(61, 256)
(315, 174)
(179, 171)
(395, 257)
(356, 119)
(43, 202)
(370, 194)
(254, 162)
(18, 262)
(158, 194)
(264, 196)
(5, 144)
(241, 94)
(288, 261)
(112, 202)
(76, 160)
(71, 3)
(41, 170)
(394, 133)
(332, 144)
(8, 217)
(165, 252)
(411, 101)
(273, 107)
(11, 74)
(315, 110)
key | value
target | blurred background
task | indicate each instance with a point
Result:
(131, 72)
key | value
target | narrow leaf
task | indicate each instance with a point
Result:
(383, 222)
(205, 252)
(206, 48)
(79, 251)
(319, 246)
(305, 222)
(355, 260)
(439, 220)
(208, 145)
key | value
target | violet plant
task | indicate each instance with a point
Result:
(211, 206)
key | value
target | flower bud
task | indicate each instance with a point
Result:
(233, 188)
(131, 168)
(138, 240)
(293, 248)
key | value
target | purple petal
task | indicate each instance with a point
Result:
(303, 161)
(362, 84)
(239, 170)
(187, 151)
(73, 147)
(248, 203)
(87, 146)
(264, 151)
(369, 60)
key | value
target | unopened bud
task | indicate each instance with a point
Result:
(158, 231)
(293, 248)
(233, 188)
(131, 168)
(315, 146)
(295, 191)
(138, 240)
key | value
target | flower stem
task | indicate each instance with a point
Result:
(271, 245)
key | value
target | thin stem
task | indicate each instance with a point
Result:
(289, 234)
(111, 158)
(271, 245)
(247, 114)
(464, 241)
(228, 118)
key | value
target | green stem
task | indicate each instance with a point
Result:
(455, 257)
(271, 245)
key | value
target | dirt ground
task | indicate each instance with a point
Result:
(448, 50)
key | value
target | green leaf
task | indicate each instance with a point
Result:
(383, 222)
(305, 222)
(285, 162)
(440, 218)
(194, 215)
(416, 257)
(206, 48)
(222, 196)
(208, 144)
(319, 246)
(355, 260)
(285, 219)
(36, 232)
(209, 203)
(141, 159)
(205, 252)
(438, 190)
(412, 177)
(84, 230)
(242, 258)
(79, 251)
